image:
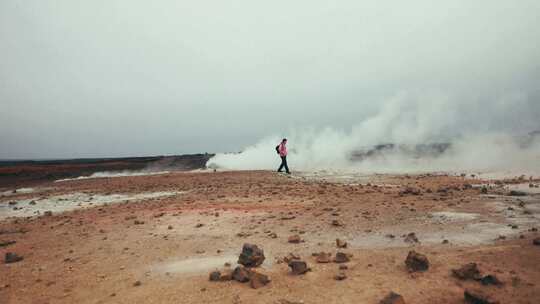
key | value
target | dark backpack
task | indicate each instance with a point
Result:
(277, 149)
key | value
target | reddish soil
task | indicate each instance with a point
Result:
(97, 255)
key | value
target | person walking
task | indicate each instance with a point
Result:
(281, 149)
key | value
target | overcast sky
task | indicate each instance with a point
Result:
(126, 78)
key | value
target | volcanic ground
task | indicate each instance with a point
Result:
(157, 238)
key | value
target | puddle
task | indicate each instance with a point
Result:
(525, 187)
(18, 191)
(112, 174)
(529, 213)
(462, 228)
(197, 265)
(533, 208)
(454, 216)
(470, 235)
(376, 241)
(346, 178)
(68, 202)
(498, 175)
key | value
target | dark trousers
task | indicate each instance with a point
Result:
(284, 164)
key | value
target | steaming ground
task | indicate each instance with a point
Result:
(129, 239)
(495, 155)
(107, 174)
(412, 133)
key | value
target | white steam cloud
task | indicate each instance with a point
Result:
(487, 135)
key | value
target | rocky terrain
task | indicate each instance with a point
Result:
(29, 172)
(262, 237)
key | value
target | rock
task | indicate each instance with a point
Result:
(337, 223)
(199, 225)
(298, 267)
(138, 222)
(251, 256)
(288, 217)
(215, 276)
(411, 238)
(467, 272)
(258, 280)
(410, 190)
(285, 301)
(478, 297)
(6, 243)
(290, 257)
(47, 213)
(341, 244)
(484, 190)
(536, 241)
(137, 283)
(416, 262)
(491, 279)
(341, 258)
(241, 274)
(517, 193)
(295, 239)
(12, 258)
(323, 257)
(392, 298)
(226, 275)
(222, 276)
(340, 276)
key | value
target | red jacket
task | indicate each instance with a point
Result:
(282, 149)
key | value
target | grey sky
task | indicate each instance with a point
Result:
(115, 78)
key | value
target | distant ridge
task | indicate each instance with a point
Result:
(24, 172)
